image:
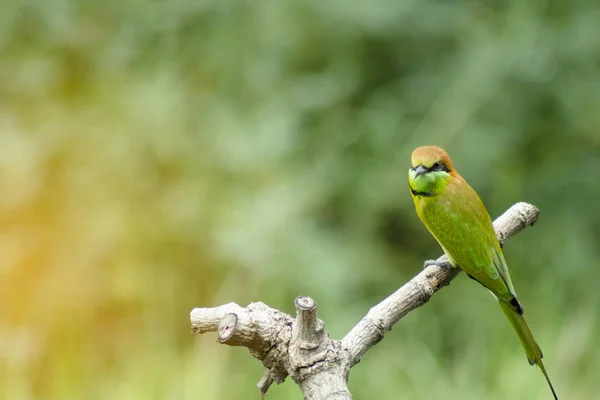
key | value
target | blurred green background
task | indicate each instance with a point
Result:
(158, 156)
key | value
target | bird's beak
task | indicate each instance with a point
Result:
(419, 170)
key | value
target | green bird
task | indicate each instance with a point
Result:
(456, 217)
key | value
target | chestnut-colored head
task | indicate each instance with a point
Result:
(430, 170)
(428, 156)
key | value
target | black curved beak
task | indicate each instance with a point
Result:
(420, 170)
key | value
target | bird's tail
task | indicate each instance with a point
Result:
(533, 351)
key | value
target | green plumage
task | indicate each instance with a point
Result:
(455, 215)
(460, 223)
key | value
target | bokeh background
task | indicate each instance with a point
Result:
(158, 156)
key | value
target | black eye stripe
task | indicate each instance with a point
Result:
(436, 166)
(439, 166)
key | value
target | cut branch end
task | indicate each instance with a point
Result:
(227, 328)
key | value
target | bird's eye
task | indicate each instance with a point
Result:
(436, 165)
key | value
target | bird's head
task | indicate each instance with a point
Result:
(430, 171)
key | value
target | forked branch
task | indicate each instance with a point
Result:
(302, 349)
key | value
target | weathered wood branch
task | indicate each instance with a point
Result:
(302, 349)
(419, 290)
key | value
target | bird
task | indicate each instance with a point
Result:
(456, 217)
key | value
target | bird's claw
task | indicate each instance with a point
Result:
(442, 264)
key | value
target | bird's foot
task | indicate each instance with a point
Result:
(442, 264)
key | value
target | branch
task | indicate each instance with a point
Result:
(308, 332)
(419, 290)
(266, 333)
(302, 349)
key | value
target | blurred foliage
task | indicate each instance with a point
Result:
(157, 156)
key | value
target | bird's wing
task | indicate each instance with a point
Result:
(471, 242)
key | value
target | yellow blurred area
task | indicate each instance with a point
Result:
(160, 156)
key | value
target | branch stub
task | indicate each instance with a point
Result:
(305, 303)
(308, 331)
(227, 327)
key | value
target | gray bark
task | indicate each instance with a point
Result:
(302, 349)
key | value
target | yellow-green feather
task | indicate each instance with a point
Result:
(458, 220)
(533, 351)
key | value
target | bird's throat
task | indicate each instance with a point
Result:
(421, 194)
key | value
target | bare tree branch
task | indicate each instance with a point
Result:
(419, 290)
(265, 331)
(302, 349)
